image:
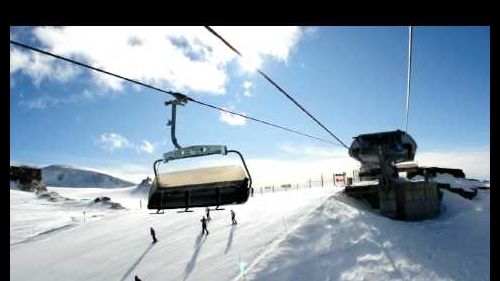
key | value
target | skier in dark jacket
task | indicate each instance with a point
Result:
(153, 235)
(208, 214)
(137, 278)
(233, 218)
(204, 225)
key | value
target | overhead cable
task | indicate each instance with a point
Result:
(410, 43)
(172, 93)
(277, 86)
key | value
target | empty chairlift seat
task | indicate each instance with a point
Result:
(211, 186)
(203, 187)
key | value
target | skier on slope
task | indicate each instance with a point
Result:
(233, 218)
(204, 225)
(208, 214)
(153, 234)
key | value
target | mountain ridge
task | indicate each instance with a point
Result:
(70, 176)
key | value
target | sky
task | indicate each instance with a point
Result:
(352, 79)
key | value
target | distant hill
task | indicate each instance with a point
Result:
(66, 176)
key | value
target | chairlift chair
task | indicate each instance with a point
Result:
(201, 187)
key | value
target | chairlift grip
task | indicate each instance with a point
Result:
(172, 124)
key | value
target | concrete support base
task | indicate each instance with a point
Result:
(401, 200)
(410, 201)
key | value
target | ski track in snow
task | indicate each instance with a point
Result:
(275, 244)
(114, 247)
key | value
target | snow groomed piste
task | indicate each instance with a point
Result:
(304, 234)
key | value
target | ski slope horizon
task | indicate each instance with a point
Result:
(259, 167)
(304, 234)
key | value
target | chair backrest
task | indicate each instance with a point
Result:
(201, 176)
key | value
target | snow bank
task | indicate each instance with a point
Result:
(340, 242)
(465, 184)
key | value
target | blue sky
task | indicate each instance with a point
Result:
(353, 79)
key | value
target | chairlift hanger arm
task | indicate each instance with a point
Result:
(244, 165)
(180, 100)
(194, 150)
(155, 168)
(190, 151)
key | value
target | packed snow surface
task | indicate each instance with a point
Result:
(305, 234)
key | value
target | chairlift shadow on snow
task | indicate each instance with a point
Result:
(192, 263)
(136, 263)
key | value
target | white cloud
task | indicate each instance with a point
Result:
(159, 54)
(310, 162)
(310, 30)
(130, 172)
(257, 41)
(146, 147)
(18, 60)
(304, 164)
(112, 141)
(40, 67)
(307, 162)
(95, 94)
(38, 103)
(474, 162)
(314, 161)
(247, 85)
(315, 152)
(274, 171)
(45, 101)
(187, 58)
(232, 119)
(264, 171)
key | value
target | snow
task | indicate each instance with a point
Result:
(343, 243)
(32, 217)
(125, 196)
(365, 183)
(466, 184)
(306, 234)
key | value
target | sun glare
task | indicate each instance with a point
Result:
(250, 63)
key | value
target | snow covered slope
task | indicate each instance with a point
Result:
(305, 234)
(344, 243)
(33, 217)
(58, 175)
